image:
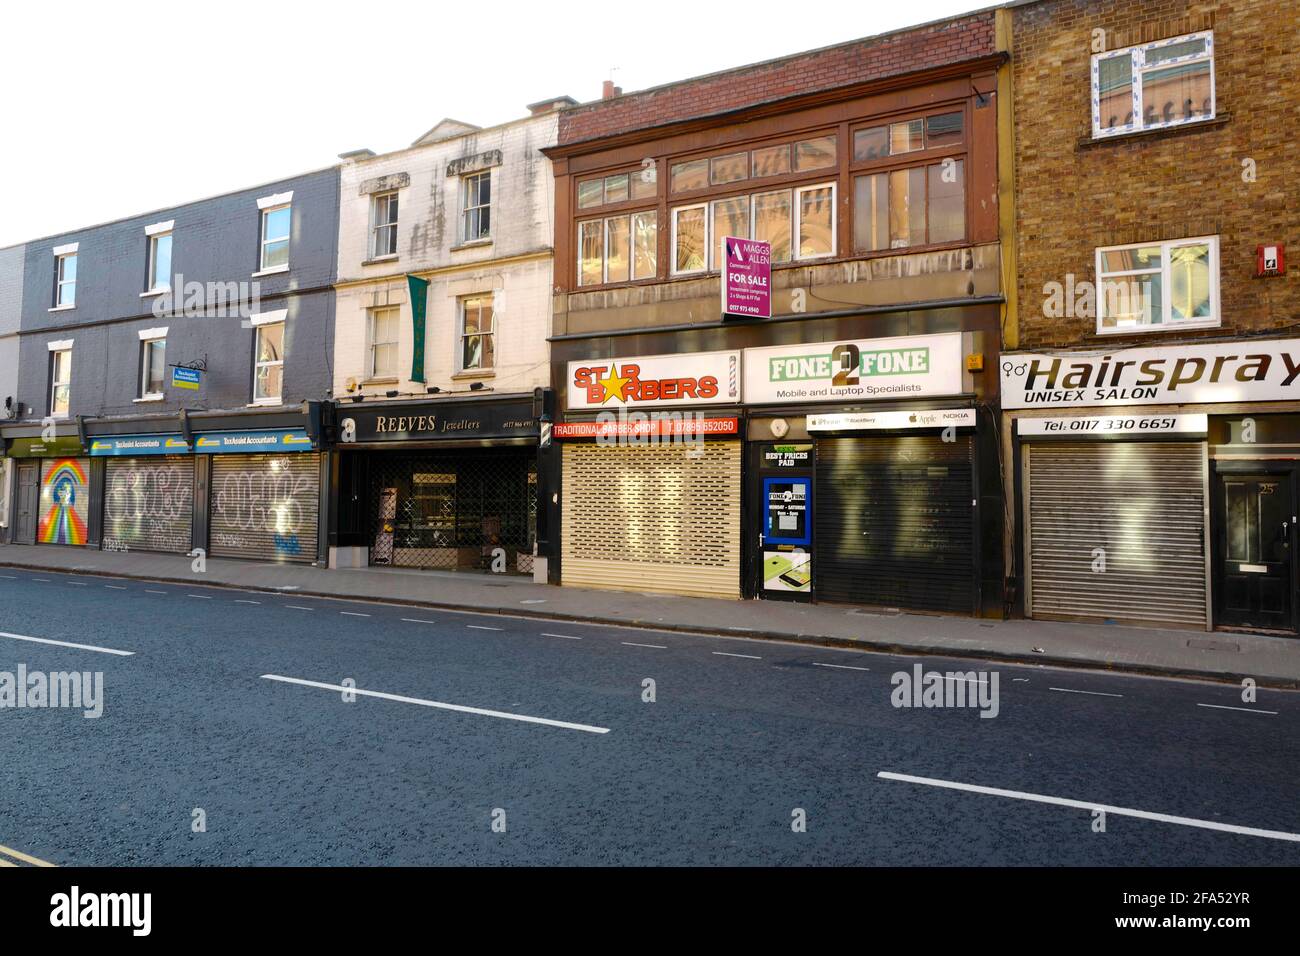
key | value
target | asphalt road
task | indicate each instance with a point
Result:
(740, 737)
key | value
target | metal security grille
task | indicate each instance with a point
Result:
(1139, 507)
(149, 504)
(894, 522)
(265, 506)
(659, 518)
(63, 515)
(469, 510)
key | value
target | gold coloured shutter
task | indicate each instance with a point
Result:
(1137, 506)
(659, 518)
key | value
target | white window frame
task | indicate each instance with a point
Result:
(262, 267)
(1167, 322)
(61, 255)
(708, 240)
(372, 374)
(1139, 68)
(154, 239)
(461, 335)
(56, 349)
(375, 224)
(466, 208)
(795, 233)
(144, 394)
(260, 321)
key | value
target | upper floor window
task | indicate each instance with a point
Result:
(381, 337)
(153, 367)
(275, 237)
(478, 206)
(1157, 285)
(268, 357)
(802, 156)
(65, 279)
(1166, 83)
(798, 222)
(383, 229)
(60, 379)
(160, 257)
(618, 248)
(913, 206)
(618, 187)
(477, 334)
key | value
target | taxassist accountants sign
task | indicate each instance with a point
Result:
(133, 445)
(294, 439)
(910, 367)
(1245, 371)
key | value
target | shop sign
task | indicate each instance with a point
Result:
(787, 456)
(1244, 371)
(58, 447)
(700, 378)
(434, 421)
(1095, 427)
(190, 378)
(132, 445)
(747, 278)
(648, 428)
(907, 367)
(872, 421)
(293, 439)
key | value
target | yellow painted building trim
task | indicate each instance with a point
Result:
(1007, 180)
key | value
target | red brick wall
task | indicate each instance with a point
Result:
(1073, 196)
(861, 61)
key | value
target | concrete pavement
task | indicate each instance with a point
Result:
(1270, 661)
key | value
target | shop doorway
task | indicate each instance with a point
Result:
(1255, 515)
(28, 501)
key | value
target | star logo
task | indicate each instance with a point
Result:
(614, 385)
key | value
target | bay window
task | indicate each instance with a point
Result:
(618, 248)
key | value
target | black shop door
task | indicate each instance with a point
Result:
(1255, 524)
(895, 522)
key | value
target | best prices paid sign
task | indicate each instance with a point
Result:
(746, 278)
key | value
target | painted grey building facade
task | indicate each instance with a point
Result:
(11, 304)
(172, 374)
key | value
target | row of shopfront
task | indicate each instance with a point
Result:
(1144, 486)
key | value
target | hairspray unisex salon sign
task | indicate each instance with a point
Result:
(1244, 371)
(907, 367)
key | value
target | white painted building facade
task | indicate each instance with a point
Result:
(473, 216)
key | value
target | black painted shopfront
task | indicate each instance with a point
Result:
(449, 484)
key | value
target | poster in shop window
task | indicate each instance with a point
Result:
(789, 569)
(383, 549)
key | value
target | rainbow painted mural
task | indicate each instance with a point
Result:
(63, 494)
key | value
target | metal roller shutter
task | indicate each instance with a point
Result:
(149, 504)
(894, 522)
(64, 511)
(1143, 503)
(265, 506)
(660, 518)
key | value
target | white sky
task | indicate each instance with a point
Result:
(113, 109)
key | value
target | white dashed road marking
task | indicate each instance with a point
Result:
(299, 607)
(660, 647)
(354, 614)
(147, 591)
(460, 708)
(201, 597)
(567, 637)
(842, 667)
(482, 627)
(80, 647)
(1244, 710)
(116, 587)
(1091, 693)
(242, 601)
(1085, 805)
(416, 620)
(752, 657)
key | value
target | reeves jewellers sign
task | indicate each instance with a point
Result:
(909, 367)
(702, 378)
(1247, 371)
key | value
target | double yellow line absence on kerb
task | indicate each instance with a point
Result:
(6, 854)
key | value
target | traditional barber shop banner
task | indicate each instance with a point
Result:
(292, 439)
(702, 378)
(909, 367)
(1243, 371)
(135, 445)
